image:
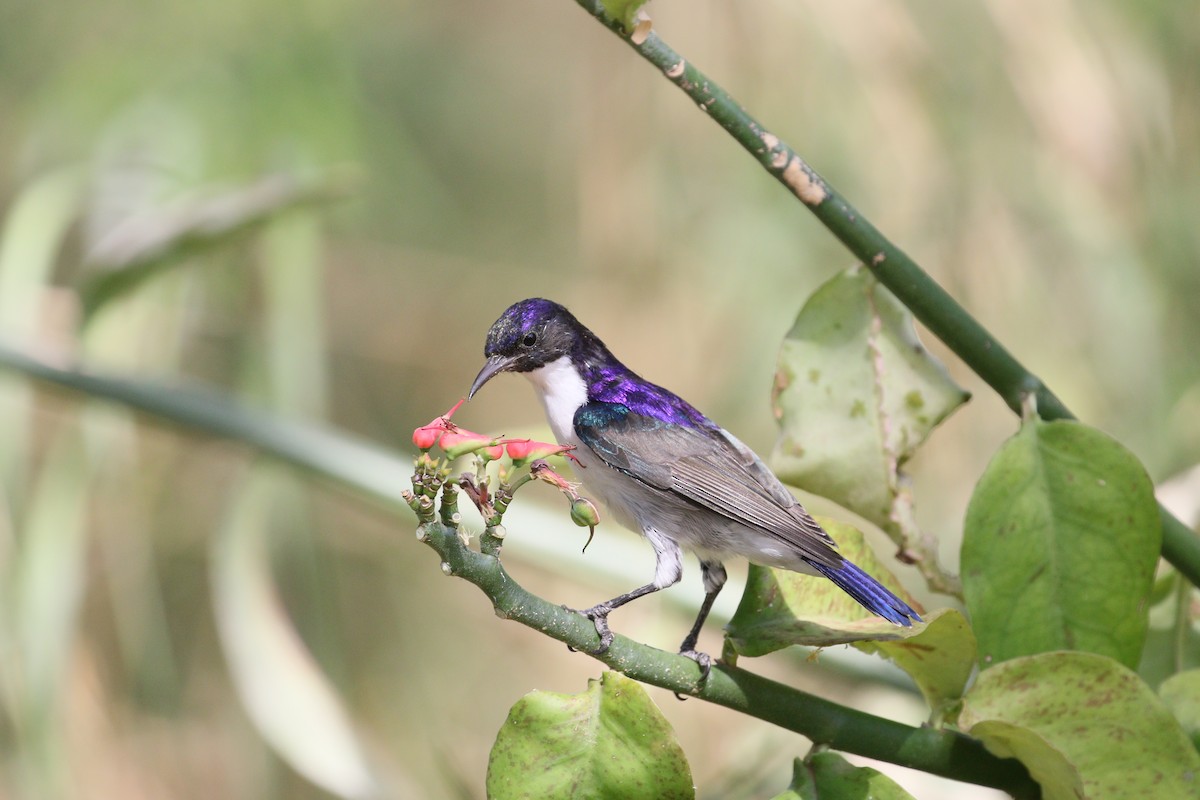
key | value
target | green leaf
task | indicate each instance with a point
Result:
(38, 220)
(855, 394)
(1085, 726)
(1181, 694)
(284, 691)
(781, 608)
(156, 240)
(1059, 546)
(624, 10)
(939, 657)
(48, 578)
(610, 741)
(828, 776)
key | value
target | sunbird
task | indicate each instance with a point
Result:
(664, 469)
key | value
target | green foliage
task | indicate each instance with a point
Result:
(1181, 695)
(606, 743)
(33, 231)
(174, 236)
(855, 394)
(939, 657)
(828, 776)
(1085, 726)
(282, 687)
(43, 584)
(1059, 546)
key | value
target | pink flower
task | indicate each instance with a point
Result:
(522, 451)
(460, 441)
(493, 453)
(428, 435)
(425, 438)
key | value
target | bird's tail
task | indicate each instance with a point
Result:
(869, 592)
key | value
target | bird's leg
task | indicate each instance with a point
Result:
(598, 614)
(714, 579)
(668, 569)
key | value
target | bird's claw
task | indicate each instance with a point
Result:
(705, 662)
(703, 659)
(598, 614)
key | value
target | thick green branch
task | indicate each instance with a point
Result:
(944, 752)
(928, 301)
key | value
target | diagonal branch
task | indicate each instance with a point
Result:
(928, 301)
(939, 752)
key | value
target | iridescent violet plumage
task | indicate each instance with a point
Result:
(615, 383)
(517, 320)
(607, 379)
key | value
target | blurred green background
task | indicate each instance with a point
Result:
(331, 201)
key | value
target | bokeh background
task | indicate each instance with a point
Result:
(330, 203)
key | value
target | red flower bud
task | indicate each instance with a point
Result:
(427, 435)
(425, 438)
(521, 451)
(443, 421)
(459, 442)
(493, 453)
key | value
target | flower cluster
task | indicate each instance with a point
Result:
(456, 442)
(432, 474)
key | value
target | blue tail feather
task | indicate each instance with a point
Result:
(869, 592)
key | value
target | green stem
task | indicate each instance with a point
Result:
(1183, 623)
(928, 301)
(363, 467)
(940, 752)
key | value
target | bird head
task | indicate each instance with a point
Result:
(528, 335)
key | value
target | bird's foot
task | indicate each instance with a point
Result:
(704, 660)
(598, 614)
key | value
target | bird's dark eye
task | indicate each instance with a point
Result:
(530, 340)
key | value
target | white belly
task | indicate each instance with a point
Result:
(562, 391)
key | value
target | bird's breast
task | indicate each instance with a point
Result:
(562, 391)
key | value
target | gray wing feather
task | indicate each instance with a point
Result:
(711, 468)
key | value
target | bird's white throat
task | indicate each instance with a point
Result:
(563, 391)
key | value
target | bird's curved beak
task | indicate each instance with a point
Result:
(494, 366)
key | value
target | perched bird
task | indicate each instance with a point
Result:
(664, 469)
